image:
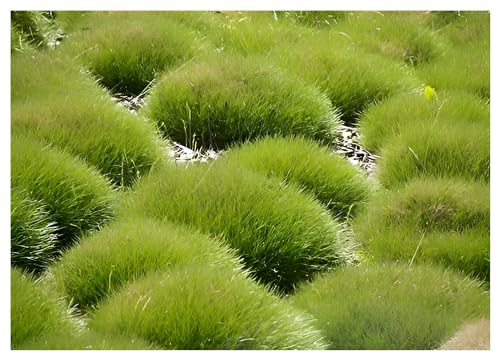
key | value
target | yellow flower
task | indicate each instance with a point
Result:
(429, 93)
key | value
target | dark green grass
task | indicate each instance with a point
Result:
(35, 28)
(199, 307)
(33, 237)
(284, 236)
(127, 250)
(465, 27)
(391, 306)
(126, 50)
(35, 313)
(351, 76)
(382, 121)
(328, 176)
(232, 99)
(77, 197)
(436, 150)
(87, 122)
(445, 221)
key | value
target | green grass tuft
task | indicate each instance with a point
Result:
(200, 307)
(33, 236)
(34, 312)
(381, 122)
(76, 197)
(444, 221)
(127, 250)
(37, 29)
(283, 236)
(329, 177)
(228, 100)
(391, 306)
(436, 150)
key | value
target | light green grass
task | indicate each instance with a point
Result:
(127, 250)
(127, 49)
(34, 312)
(283, 236)
(201, 308)
(391, 306)
(436, 150)
(33, 237)
(381, 122)
(87, 122)
(226, 100)
(328, 176)
(77, 197)
(444, 221)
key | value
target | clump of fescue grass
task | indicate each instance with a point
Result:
(391, 306)
(226, 100)
(36, 28)
(351, 76)
(465, 27)
(401, 35)
(312, 18)
(328, 176)
(127, 250)
(77, 197)
(436, 150)
(463, 67)
(33, 237)
(34, 312)
(199, 307)
(283, 235)
(381, 122)
(126, 50)
(86, 123)
(444, 221)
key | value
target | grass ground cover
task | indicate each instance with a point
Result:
(283, 236)
(329, 177)
(227, 100)
(87, 122)
(233, 313)
(126, 250)
(392, 306)
(77, 197)
(383, 121)
(444, 221)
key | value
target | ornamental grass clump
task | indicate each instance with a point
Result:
(35, 313)
(33, 235)
(200, 308)
(444, 221)
(283, 235)
(392, 306)
(383, 121)
(328, 176)
(352, 77)
(127, 250)
(126, 50)
(226, 100)
(85, 122)
(436, 150)
(76, 197)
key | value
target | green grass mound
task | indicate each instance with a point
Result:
(283, 236)
(87, 340)
(384, 120)
(34, 29)
(200, 307)
(35, 313)
(232, 99)
(33, 236)
(77, 197)
(124, 251)
(444, 221)
(332, 180)
(401, 35)
(351, 77)
(126, 50)
(391, 307)
(465, 27)
(436, 150)
(87, 122)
